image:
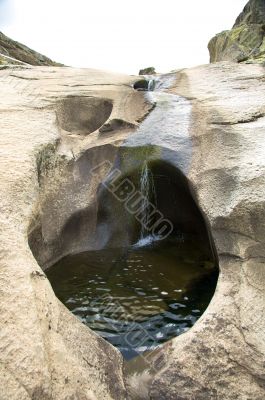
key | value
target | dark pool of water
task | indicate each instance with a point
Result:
(136, 298)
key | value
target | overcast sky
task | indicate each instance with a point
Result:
(119, 35)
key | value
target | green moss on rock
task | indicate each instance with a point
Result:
(147, 71)
(245, 41)
(239, 44)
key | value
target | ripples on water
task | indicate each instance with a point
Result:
(136, 298)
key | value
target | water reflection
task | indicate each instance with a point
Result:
(137, 298)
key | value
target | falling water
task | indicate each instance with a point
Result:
(151, 85)
(147, 189)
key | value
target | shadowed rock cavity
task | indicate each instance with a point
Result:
(67, 216)
(119, 198)
(142, 84)
(83, 115)
(79, 213)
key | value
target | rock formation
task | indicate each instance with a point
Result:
(51, 139)
(245, 42)
(58, 128)
(147, 71)
(12, 52)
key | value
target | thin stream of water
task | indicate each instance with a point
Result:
(147, 189)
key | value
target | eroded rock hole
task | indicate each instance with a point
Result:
(144, 85)
(139, 291)
(83, 115)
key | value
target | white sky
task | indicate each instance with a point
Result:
(119, 35)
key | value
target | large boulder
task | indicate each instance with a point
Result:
(245, 42)
(147, 71)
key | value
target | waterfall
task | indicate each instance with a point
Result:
(147, 189)
(151, 85)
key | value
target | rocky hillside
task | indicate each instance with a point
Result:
(12, 52)
(245, 42)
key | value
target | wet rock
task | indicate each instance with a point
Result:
(141, 84)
